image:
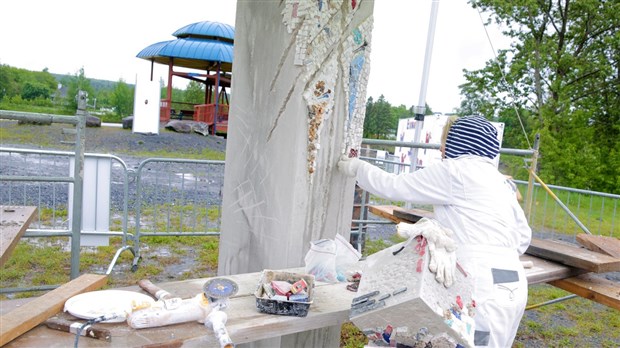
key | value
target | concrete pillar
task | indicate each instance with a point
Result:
(298, 100)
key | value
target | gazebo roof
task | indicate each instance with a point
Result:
(200, 45)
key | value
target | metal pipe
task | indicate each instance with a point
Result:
(78, 188)
(37, 178)
(33, 116)
(421, 108)
(550, 302)
(529, 198)
(505, 151)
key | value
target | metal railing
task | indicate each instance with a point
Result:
(184, 198)
(179, 197)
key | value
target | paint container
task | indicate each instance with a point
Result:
(281, 306)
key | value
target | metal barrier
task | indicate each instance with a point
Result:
(172, 197)
(597, 210)
(35, 178)
(184, 198)
(77, 179)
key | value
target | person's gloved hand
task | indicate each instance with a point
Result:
(407, 230)
(349, 166)
(442, 253)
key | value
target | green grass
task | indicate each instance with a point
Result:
(599, 214)
(575, 322)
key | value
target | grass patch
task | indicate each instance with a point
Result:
(569, 323)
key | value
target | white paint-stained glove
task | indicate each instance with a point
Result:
(441, 247)
(349, 166)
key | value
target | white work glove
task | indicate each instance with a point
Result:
(407, 230)
(441, 247)
(442, 252)
(349, 166)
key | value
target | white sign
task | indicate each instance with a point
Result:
(146, 107)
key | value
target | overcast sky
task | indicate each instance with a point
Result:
(104, 38)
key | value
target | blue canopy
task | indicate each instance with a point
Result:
(200, 45)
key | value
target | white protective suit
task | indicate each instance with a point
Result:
(473, 199)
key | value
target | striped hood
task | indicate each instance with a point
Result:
(472, 135)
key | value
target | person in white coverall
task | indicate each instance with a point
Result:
(474, 200)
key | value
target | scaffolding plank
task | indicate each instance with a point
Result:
(14, 220)
(573, 255)
(397, 214)
(601, 244)
(592, 287)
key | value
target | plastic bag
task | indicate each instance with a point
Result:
(346, 258)
(329, 260)
(321, 260)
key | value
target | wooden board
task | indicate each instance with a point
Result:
(331, 306)
(601, 244)
(412, 215)
(544, 271)
(33, 313)
(404, 215)
(592, 287)
(14, 220)
(572, 255)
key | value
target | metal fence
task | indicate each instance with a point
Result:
(173, 197)
(157, 197)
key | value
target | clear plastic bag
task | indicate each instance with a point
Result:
(329, 260)
(321, 260)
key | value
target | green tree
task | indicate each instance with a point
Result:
(78, 82)
(122, 99)
(379, 122)
(194, 93)
(33, 90)
(559, 79)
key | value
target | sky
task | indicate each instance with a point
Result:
(104, 37)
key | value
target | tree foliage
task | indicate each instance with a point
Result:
(29, 85)
(559, 79)
(380, 122)
(122, 99)
(77, 82)
(194, 93)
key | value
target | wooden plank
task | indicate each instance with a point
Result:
(14, 220)
(592, 287)
(572, 255)
(397, 214)
(543, 271)
(412, 215)
(33, 313)
(601, 244)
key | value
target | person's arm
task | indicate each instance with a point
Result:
(431, 185)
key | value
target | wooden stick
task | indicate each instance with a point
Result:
(73, 327)
(35, 312)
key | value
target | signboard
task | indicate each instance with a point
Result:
(146, 107)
